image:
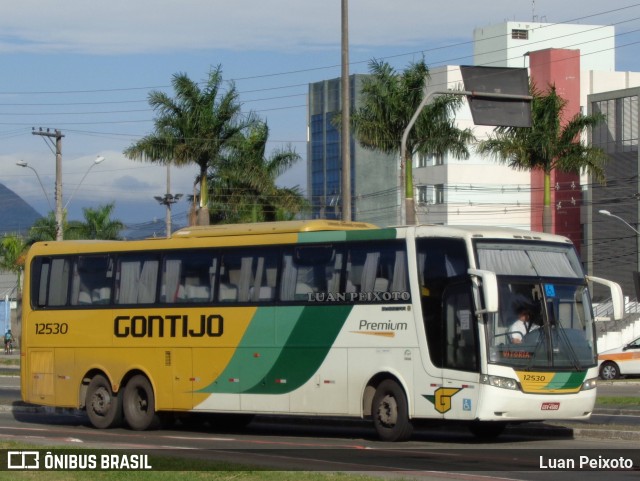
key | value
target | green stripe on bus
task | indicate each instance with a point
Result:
(274, 358)
(567, 380)
(350, 235)
(380, 234)
(305, 350)
(257, 351)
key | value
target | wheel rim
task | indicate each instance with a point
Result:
(141, 401)
(609, 372)
(388, 411)
(101, 401)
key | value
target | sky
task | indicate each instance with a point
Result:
(86, 68)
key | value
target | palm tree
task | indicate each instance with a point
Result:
(12, 252)
(198, 126)
(98, 224)
(389, 101)
(245, 189)
(548, 145)
(44, 229)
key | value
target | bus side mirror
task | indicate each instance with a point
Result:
(489, 289)
(617, 299)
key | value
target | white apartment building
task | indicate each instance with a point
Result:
(468, 191)
(507, 44)
(480, 190)
(454, 191)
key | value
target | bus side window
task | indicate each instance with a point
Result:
(53, 285)
(248, 276)
(377, 268)
(137, 279)
(263, 287)
(307, 270)
(92, 276)
(188, 276)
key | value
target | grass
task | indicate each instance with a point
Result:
(618, 401)
(9, 361)
(181, 475)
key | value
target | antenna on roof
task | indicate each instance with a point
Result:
(533, 10)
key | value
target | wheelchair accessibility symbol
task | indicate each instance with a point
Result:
(466, 404)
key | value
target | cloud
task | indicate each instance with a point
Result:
(161, 26)
(129, 183)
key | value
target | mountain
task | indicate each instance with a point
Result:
(16, 216)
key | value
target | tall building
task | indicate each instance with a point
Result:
(611, 247)
(373, 174)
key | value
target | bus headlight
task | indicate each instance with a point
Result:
(589, 384)
(498, 381)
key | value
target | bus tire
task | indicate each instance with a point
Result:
(138, 404)
(104, 408)
(390, 412)
(609, 371)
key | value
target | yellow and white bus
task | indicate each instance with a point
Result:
(312, 318)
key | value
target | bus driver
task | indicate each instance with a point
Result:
(521, 326)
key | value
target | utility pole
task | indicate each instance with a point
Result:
(48, 134)
(346, 105)
(168, 200)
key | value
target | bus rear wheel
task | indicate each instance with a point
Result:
(104, 408)
(390, 412)
(138, 404)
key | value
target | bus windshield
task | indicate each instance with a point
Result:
(545, 318)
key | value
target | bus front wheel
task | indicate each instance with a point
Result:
(104, 408)
(390, 412)
(138, 404)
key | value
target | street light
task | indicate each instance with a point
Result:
(99, 159)
(22, 163)
(609, 214)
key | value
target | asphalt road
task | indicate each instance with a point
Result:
(281, 444)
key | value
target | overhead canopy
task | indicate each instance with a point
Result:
(498, 95)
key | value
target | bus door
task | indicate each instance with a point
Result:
(182, 377)
(460, 353)
(452, 361)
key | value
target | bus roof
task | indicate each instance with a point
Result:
(488, 232)
(261, 228)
